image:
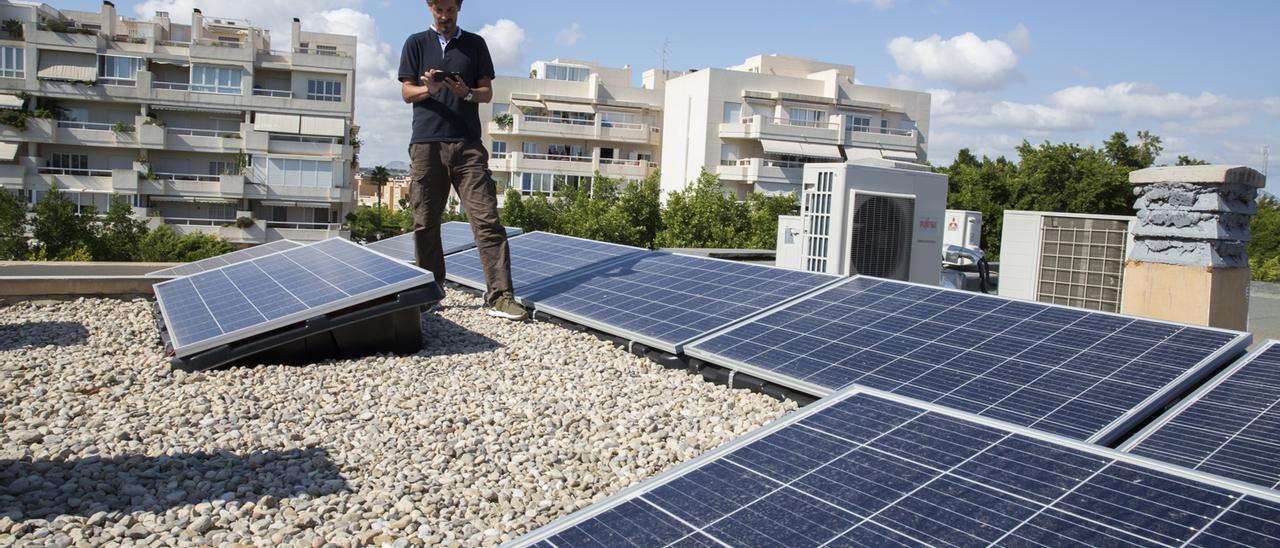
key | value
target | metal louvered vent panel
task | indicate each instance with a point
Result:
(881, 235)
(1082, 262)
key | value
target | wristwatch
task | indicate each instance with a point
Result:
(471, 94)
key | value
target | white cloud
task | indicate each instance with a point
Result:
(965, 61)
(1131, 100)
(505, 39)
(1271, 105)
(878, 5)
(1019, 37)
(569, 36)
(981, 110)
(901, 81)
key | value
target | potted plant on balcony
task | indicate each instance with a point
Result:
(122, 127)
(244, 222)
(504, 120)
(16, 119)
(13, 27)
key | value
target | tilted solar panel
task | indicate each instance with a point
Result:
(224, 304)
(664, 300)
(1087, 375)
(869, 468)
(1229, 427)
(455, 236)
(226, 259)
(539, 257)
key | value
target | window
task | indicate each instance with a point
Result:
(220, 168)
(565, 150)
(529, 148)
(229, 40)
(499, 147)
(324, 90)
(115, 70)
(806, 117)
(612, 119)
(211, 79)
(320, 215)
(326, 50)
(857, 123)
(13, 62)
(306, 173)
(63, 160)
(884, 126)
(732, 113)
(538, 183)
(572, 74)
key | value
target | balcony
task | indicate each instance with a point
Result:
(901, 139)
(202, 140)
(38, 131)
(765, 127)
(307, 146)
(258, 191)
(625, 169)
(761, 170)
(321, 58)
(223, 228)
(72, 38)
(194, 185)
(12, 175)
(304, 232)
(221, 50)
(279, 93)
(74, 178)
(551, 126)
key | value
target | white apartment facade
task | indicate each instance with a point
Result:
(396, 189)
(196, 125)
(756, 125)
(568, 120)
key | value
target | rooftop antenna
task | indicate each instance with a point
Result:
(666, 46)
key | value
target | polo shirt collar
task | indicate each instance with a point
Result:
(440, 37)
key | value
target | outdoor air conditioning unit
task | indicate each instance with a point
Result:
(874, 217)
(1065, 258)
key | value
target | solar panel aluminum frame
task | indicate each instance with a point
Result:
(553, 279)
(550, 530)
(511, 233)
(302, 315)
(247, 253)
(1194, 397)
(644, 339)
(1107, 436)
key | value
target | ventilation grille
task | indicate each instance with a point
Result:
(1082, 262)
(881, 236)
(817, 205)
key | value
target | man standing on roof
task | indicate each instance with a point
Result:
(445, 73)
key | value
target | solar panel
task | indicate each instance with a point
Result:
(1229, 427)
(538, 257)
(664, 300)
(226, 259)
(227, 303)
(1086, 375)
(455, 236)
(869, 468)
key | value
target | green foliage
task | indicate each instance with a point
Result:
(504, 120)
(1142, 155)
(606, 209)
(13, 28)
(58, 229)
(1189, 161)
(378, 177)
(163, 245)
(120, 234)
(13, 227)
(16, 119)
(1264, 249)
(121, 127)
(452, 212)
(370, 224)
(244, 222)
(704, 215)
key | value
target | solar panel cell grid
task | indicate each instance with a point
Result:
(455, 236)
(861, 469)
(1230, 427)
(537, 257)
(226, 259)
(1065, 371)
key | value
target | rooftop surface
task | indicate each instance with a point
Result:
(474, 440)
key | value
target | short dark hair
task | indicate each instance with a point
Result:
(430, 2)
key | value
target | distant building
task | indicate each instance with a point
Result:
(195, 125)
(396, 189)
(757, 124)
(568, 120)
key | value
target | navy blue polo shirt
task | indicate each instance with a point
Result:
(444, 117)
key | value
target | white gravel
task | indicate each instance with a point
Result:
(494, 429)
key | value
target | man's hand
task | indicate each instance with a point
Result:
(428, 79)
(457, 87)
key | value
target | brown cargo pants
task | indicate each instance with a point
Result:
(464, 166)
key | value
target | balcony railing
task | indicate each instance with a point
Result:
(75, 171)
(621, 125)
(498, 156)
(188, 177)
(174, 44)
(302, 139)
(557, 157)
(93, 126)
(193, 221)
(882, 131)
(321, 51)
(621, 162)
(793, 123)
(304, 226)
(764, 162)
(559, 120)
(193, 132)
(179, 86)
(122, 82)
(273, 93)
(219, 43)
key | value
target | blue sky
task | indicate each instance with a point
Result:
(1204, 76)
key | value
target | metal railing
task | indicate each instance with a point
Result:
(557, 157)
(790, 122)
(188, 177)
(621, 162)
(764, 162)
(174, 44)
(559, 120)
(219, 43)
(93, 126)
(302, 139)
(273, 93)
(75, 171)
(194, 132)
(122, 82)
(179, 86)
(194, 221)
(622, 125)
(319, 51)
(498, 156)
(304, 226)
(881, 130)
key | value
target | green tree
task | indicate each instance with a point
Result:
(1264, 249)
(158, 246)
(370, 224)
(762, 219)
(59, 229)
(379, 177)
(197, 246)
(13, 227)
(1189, 161)
(452, 212)
(985, 186)
(640, 209)
(121, 235)
(702, 215)
(1137, 156)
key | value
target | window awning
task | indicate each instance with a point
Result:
(525, 103)
(8, 151)
(315, 205)
(812, 150)
(174, 62)
(277, 203)
(10, 101)
(329, 127)
(570, 107)
(195, 200)
(277, 123)
(66, 65)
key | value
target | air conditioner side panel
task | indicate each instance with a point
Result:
(1020, 254)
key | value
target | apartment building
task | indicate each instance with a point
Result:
(195, 124)
(757, 124)
(568, 120)
(396, 189)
